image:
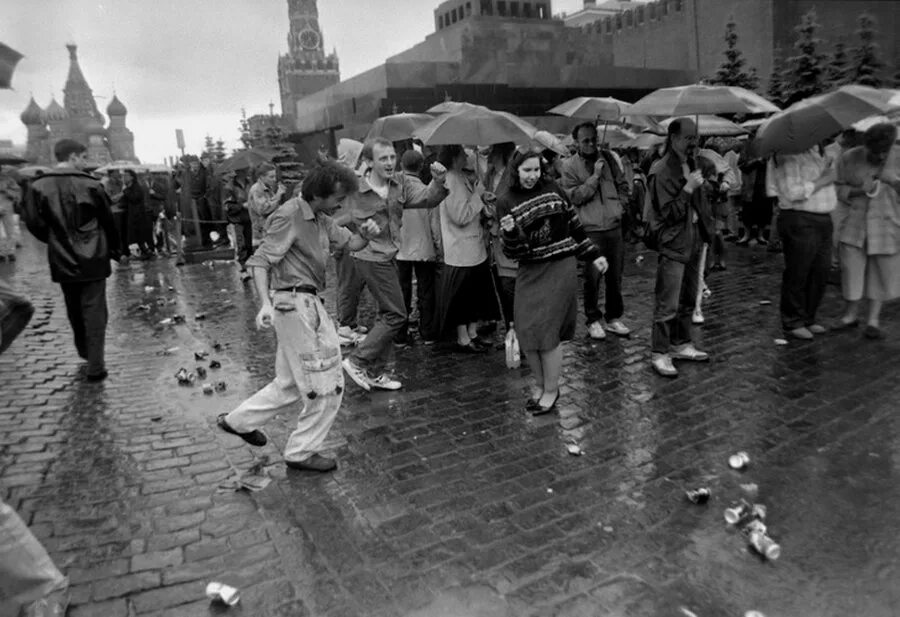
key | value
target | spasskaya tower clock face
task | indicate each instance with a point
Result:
(309, 39)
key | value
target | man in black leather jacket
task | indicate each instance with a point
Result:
(69, 210)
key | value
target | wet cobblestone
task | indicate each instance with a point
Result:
(449, 499)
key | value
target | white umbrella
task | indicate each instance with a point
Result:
(121, 165)
(604, 109)
(476, 125)
(707, 125)
(700, 99)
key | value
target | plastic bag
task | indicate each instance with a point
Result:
(513, 355)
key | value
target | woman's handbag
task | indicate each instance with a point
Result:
(15, 313)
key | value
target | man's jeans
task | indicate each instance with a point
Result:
(26, 571)
(384, 285)
(426, 302)
(349, 289)
(86, 308)
(307, 370)
(676, 294)
(806, 241)
(612, 246)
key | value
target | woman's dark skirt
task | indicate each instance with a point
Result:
(546, 305)
(465, 295)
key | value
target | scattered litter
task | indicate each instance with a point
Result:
(208, 388)
(201, 355)
(178, 318)
(200, 316)
(201, 372)
(608, 529)
(214, 364)
(753, 614)
(172, 301)
(574, 449)
(686, 612)
(184, 378)
(156, 419)
(170, 351)
(639, 259)
(642, 397)
(143, 307)
(149, 288)
(217, 592)
(166, 321)
(751, 488)
(160, 302)
(739, 460)
(765, 546)
(171, 288)
(743, 512)
(224, 291)
(754, 526)
(549, 490)
(217, 346)
(698, 496)
(765, 302)
(781, 341)
(221, 386)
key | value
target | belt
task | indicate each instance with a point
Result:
(304, 289)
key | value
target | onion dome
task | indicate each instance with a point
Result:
(116, 108)
(33, 114)
(55, 112)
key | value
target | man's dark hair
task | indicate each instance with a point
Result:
(447, 154)
(412, 161)
(677, 126)
(264, 168)
(880, 137)
(324, 179)
(368, 150)
(583, 125)
(520, 156)
(65, 148)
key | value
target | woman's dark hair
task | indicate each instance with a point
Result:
(447, 155)
(324, 179)
(503, 150)
(132, 173)
(520, 156)
(880, 137)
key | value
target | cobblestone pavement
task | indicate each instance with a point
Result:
(450, 500)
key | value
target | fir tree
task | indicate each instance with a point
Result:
(775, 91)
(208, 146)
(218, 151)
(866, 65)
(731, 72)
(836, 73)
(805, 71)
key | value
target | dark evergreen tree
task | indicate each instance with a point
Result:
(775, 91)
(866, 64)
(218, 151)
(804, 74)
(731, 72)
(838, 66)
(208, 146)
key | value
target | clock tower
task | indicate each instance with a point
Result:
(306, 68)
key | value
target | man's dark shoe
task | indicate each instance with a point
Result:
(316, 462)
(96, 377)
(254, 438)
(873, 333)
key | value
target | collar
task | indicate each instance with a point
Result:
(365, 187)
(305, 210)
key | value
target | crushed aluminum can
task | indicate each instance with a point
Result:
(171, 288)
(208, 388)
(217, 592)
(183, 377)
(149, 288)
(143, 307)
(781, 342)
(753, 614)
(739, 460)
(765, 546)
(754, 526)
(738, 514)
(639, 259)
(758, 512)
(199, 316)
(574, 449)
(165, 322)
(217, 346)
(160, 302)
(201, 355)
(178, 318)
(201, 372)
(221, 386)
(698, 495)
(214, 364)
(765, 302)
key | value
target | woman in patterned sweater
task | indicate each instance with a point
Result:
(541, 230)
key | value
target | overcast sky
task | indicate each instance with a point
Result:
(189, 64)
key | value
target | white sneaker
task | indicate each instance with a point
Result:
(707, 292)
(383, 382)
(596, 331)
(618, 328)
(662, 364)
(357, 374)
(688, 352)
(697, 317)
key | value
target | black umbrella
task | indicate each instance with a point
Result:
(9, 57)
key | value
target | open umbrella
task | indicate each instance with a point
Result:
(448, 107)
(121, 166)
(29, 171)
(644, 141)
(604, 109)
(477, 126)
(701, 99)
(806, 123)
(397, 126)
(707, 125)
(9, 57)
(546, 140)
(615, 136)
(8, 158)
(245, 159)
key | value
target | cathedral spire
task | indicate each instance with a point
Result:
(78, 97)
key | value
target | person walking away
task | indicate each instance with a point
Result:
(382, 197)
(137, 227)
(680, 222)
(418, 254)
(541, 231)
(868, 184)
(289, 274)
(157, 196)
(69, 210)
(589, 180)
(756, 211)
(465, 295)
(804, 186)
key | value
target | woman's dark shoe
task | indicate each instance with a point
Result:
(541, 410)
(254, 438)
(873, 333)
(717, 268)
(470, 347)
(316, 462)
